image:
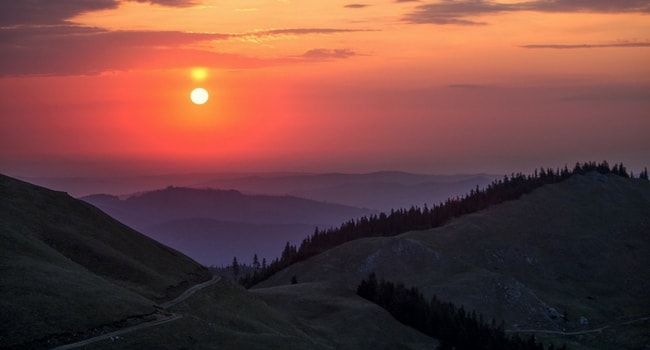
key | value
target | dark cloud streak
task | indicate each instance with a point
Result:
(37, 38)
(49, 12)
(21, 12)
(356, 6)
(326, 54)
(585, 46)
(77, 50)
(171, 3)
(298, 31)
(457, 12)
(601, 6)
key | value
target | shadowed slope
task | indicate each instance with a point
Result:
(301, 316)
(575, 249)
(67, 267)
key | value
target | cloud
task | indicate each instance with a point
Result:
(454, 12)
(301, 31)
(407, 0)
(356, 6)
(36, 38)
(171, 3)
(78, 50)
(76, 37)
(89, 62)
(44, 12)
(457, 12)
(326, 54)
(273, 34)
(16, 12)
(586, 46)
(602, 6)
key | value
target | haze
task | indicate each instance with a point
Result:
(102, 87)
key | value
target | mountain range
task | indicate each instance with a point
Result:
(73, 277)
(213, 226)
(381, 191)
(566, 262)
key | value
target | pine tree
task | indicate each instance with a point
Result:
(235, 267)
(256, 262)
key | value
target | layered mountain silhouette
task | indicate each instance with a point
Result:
(212, 225)
(70, 273)
(380, 191)
(567, 262)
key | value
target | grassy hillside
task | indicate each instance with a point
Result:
(339, 318)
(303, 316)
(566, 257)
(67, 267)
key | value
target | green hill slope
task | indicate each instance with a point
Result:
(301, 316)
(567, 257)
(67, 267)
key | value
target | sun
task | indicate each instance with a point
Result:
(199, 96)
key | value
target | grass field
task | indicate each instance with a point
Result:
(302, 316)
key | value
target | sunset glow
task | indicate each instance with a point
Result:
(424, 86)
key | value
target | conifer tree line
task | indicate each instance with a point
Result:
(415, 218)
(237, 269)
(454, 327)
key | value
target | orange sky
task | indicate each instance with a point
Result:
(97, 87)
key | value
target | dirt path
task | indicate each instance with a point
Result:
(116, 334)
(189, 292)
(164, 319)
(594, 330)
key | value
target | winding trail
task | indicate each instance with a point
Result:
(186, 294)
(594, 330)
(168, 317)
(116, 334)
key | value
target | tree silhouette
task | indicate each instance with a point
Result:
(454, 327)
(235, 266)
(256, 262)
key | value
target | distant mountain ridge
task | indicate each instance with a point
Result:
(214, 225)
(382, 190)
